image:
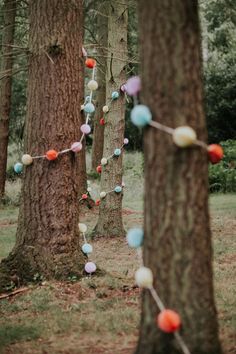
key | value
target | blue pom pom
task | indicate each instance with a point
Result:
(89, 108)
(87, 98)
(87, 248)
(118, 189)
(141, 115)
(117, 152)
(18, 167)
(135, 237)
(115, 95)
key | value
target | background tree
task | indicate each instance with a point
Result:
(177, 244)
(6, 66)
(47, 240)
(110, 210)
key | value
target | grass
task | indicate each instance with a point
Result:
(100, 315)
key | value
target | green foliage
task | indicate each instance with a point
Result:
(222, 176)
(15, 333)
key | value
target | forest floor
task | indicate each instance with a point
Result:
(101, 314)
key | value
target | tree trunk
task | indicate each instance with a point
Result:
(110, 210)
(47, 240)
(177, 245)
(98, 130)
(9, 14)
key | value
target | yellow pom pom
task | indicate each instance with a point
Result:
(184, 136)
(144, 277)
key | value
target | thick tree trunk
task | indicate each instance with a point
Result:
(9, 14)
(47, 240)
(177, 244)
(98, 130)
(110, 210)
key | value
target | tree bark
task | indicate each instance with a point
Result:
(177, 244)
(47, 239)
(110, 210)
(9, 14)
(98, 129)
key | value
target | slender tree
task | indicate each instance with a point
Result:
(177, 245)
(98, 131)
(47, 240)
(110, 210)
(6, 66)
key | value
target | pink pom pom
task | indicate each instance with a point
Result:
(126, 141)
(85, 128)
(133, 86)
(76, 147)
(90, 267)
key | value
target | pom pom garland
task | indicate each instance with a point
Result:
(103, 195)
(90, 63)
(82, 228)
(92, 85)
(87, 248)
(105, 109)
(84, 196)
(85, 128)
(184, 136)
(89, 108)
(215, 153)
(102, 121)
(99, 169)
(168, 321)
(133, 86)
(97, 202)
(76, 147)
(27, 159)
(126, 141)
(115, 95)
(117, 152)
(141, 115)
(104, 161)
(135, 237)
(118, 189)
(90, 267)
(51, 155)
(144, 277)
(18, 167)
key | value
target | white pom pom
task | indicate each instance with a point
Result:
(103, 195)
(144, 277)
(82, 228)
(27, 159)
(105, 109)
(184, 136)
(89, 189)
(92, 85)
(103, 161)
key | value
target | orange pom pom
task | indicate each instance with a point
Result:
(84, 196)
(97, 203)
(90, 63)
(168, 321)
(51, 155)
(215, 153)
(99, 169)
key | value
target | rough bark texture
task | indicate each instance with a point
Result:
(110, 210)
(98, 130)
(9, 14)
(177, 244)
(47, 240)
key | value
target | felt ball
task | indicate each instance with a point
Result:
(135, 237)
(84, 52)
(87, 248)
(92, 85)
(103, 194)
(123, 88)
(126, 141)
(51, 155)
(90, 63)
(27, 159)
(76, 147)
(84, 196)
(133, 85)
(117, 152)
(89, 189)
(89, 108)
(115, 95)
(18, 167)
(141, 115)
(118, 189)
(99, 169)
(102, 121)
(103, 161)
(184, 136)
(82, 107)
(97, 203)
(82, 227)
(85, 128)
(105, 109)
(215, 153)
(144, 277)
(90, 267)
(168, 321)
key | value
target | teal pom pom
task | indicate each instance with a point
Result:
(135, 237)
(89, 108)
(87, 248)
(115, 95)
(118, 189)
(18, 167)
(141, 115)
(117, 152)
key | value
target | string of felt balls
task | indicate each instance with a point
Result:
(87, 249)
(167, 320)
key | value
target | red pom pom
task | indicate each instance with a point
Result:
(99, 169)
(215, 153)
(168, 321)
(51, 155)
(102, 121)
(84, 196)
(97, 203)
(90, 63)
